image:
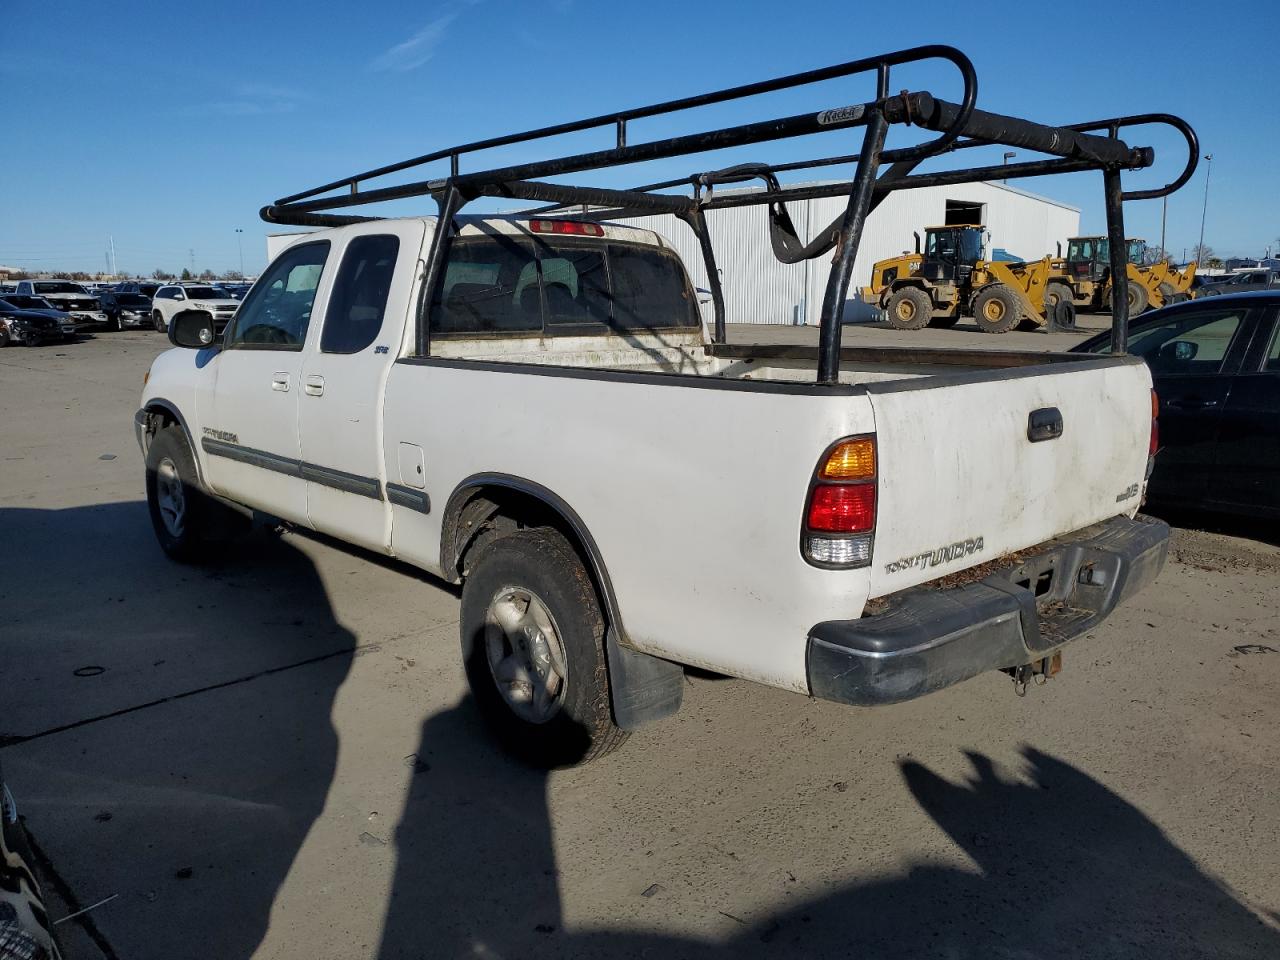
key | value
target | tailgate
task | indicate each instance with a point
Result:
(960, 482)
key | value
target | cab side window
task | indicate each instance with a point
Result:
(275, 316)
(358, 303)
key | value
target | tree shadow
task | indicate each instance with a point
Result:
(1062, 868)
(167, 727)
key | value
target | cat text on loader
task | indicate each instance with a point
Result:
(1085, 275)
(949, 279)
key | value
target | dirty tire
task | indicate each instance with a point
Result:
(909, 309)
(1055, 293)
(189, 525)
(542, 564)
(996, 309)
(1062, 317)
(1139, 299)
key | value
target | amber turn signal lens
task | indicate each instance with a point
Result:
(851, 460)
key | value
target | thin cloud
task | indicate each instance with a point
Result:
(253, 100)
(417, 50)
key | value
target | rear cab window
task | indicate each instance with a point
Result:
(515, 284)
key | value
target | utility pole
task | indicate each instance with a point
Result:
(1164, 213)
(1204, 212)
(112, 242)
(240, 247)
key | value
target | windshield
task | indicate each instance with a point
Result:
(205, 293)
(955, 246)
(57, 286)
(1137, 251)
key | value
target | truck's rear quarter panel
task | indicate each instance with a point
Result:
(693, 494)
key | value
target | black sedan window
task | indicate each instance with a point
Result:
(1188, 342)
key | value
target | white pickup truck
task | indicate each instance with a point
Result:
(620, 497)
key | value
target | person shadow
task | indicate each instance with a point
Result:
(166, 728)
(1062, 867)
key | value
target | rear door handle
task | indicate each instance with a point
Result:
(1193, 403)
(314, 385)
(280, 381)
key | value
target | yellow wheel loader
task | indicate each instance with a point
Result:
(1084, 275)
(950, 279)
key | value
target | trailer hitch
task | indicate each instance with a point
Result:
(1038, 672)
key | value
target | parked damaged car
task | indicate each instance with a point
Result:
(30, 327)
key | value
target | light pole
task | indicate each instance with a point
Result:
(240, 247)
(1008, 155)
(1204, 212)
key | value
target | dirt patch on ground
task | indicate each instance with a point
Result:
(1220, 553)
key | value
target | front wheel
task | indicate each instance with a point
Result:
(157, 321)
(4, 337)
(187, 522)
(113, 323)
(996, 309)
(533, 647)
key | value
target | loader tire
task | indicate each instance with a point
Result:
(996, 309)
(1054, 294)
(909, 309)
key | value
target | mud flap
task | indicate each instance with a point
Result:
(644, 688)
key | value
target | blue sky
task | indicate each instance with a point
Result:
(167, 126)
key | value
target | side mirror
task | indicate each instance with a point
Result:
(192, 329)
(704, 295)
(1180, 350)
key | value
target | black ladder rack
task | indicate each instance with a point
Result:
(1094, 145)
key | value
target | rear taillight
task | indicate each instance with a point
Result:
(1155, 425)
(840, 514)
(570, 227)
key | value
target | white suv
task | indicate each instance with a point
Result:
(174, 298)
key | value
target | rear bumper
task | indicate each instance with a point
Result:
(930, 637)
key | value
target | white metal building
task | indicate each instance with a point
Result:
(759, 289)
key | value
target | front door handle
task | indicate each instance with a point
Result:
(314, 385)
(280, 381)
(1192, 403)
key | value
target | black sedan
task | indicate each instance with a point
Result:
(125, 309)
(1216, 367)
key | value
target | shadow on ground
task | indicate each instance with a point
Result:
(165, 742)
(1062, 868)
(193, 808)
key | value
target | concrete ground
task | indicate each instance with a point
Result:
(274, 757)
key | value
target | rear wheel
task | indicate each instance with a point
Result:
(909, 309)
(1055, 293)
(533, 647)
(1139, 299)
(996, 309)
